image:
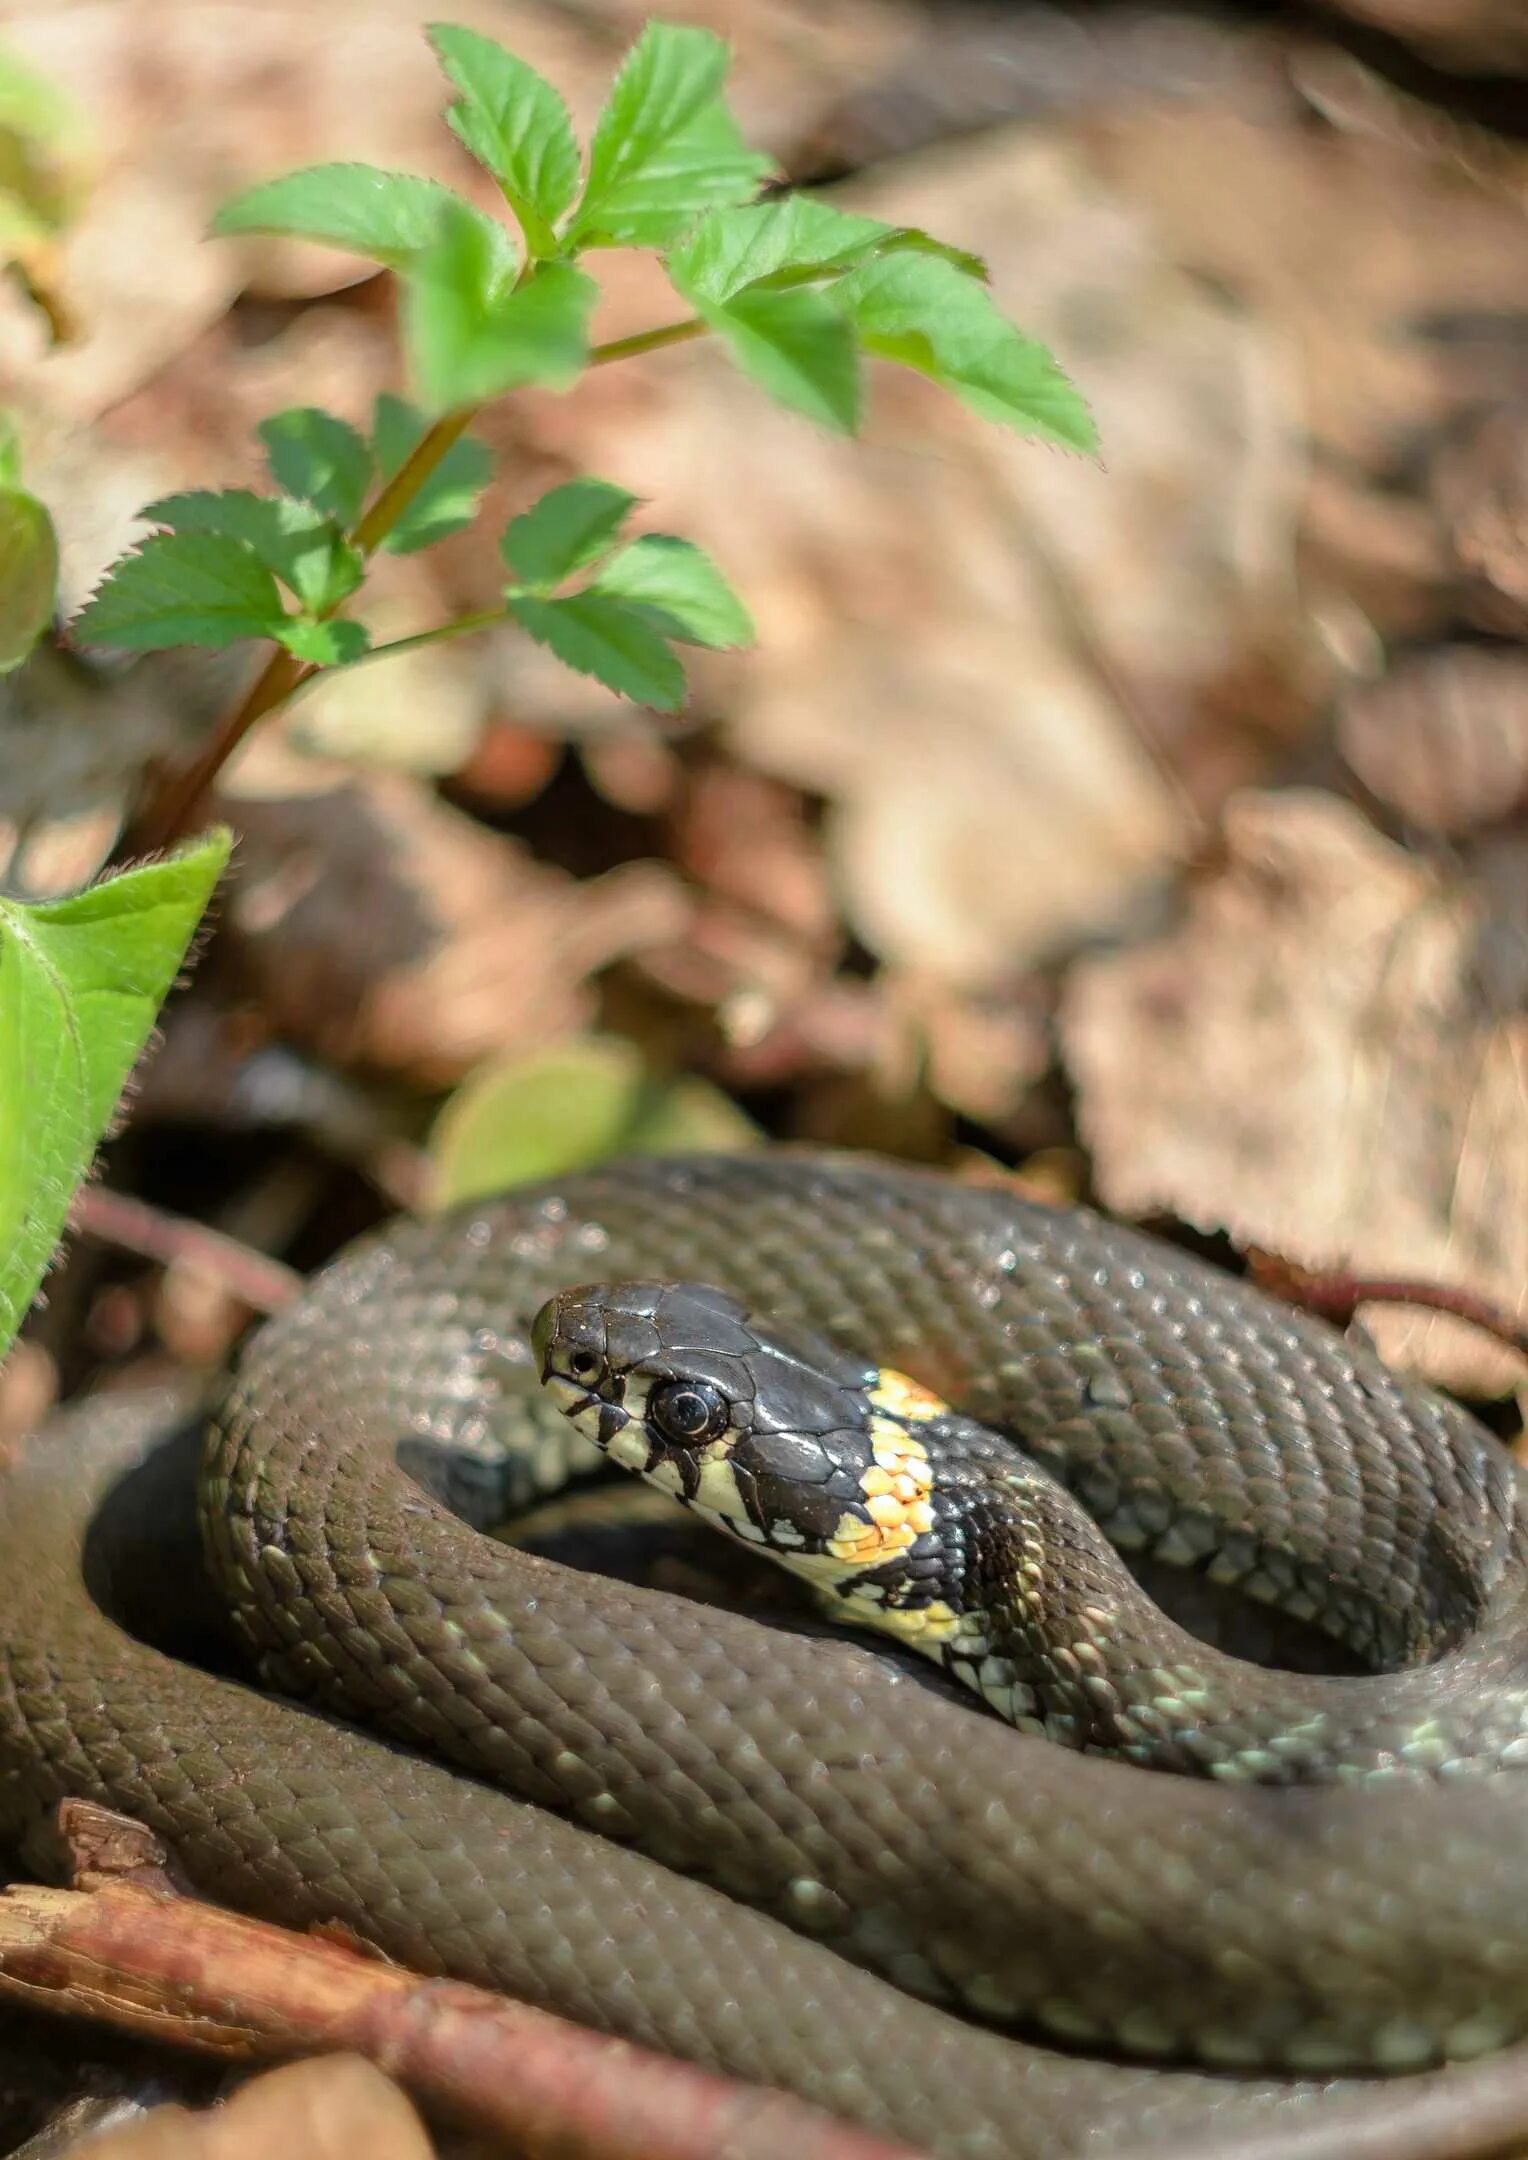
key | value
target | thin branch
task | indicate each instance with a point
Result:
(376, 523)
(114, 1218)
(173, 1969)
(459, 626)
(627, 348)
(1337, 1297)
(173, 812)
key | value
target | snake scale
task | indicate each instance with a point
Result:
(758, 1850)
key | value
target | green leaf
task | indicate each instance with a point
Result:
(326, 644)
(81, 981)
(514, 122)
(665, 147)
(729, 249)
(314, 454)
(388, 216)
(472, 333)
(306, 550)
(567, 1107)
(681, 590)
(564, 531)
(608, 639)
(924, 313)
(797, 346)
(28, 574)
(448, 501)
(182, 589)
(10, 451)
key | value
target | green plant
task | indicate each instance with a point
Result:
(797, 292)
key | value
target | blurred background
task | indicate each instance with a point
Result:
(1155, 831)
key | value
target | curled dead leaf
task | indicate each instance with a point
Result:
(1328, 1059)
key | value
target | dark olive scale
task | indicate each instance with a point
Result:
(1380, 1925)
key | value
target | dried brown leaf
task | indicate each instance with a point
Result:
(325, 2110)
(386, 929)
(1443, 738)
(1480, 486)
(1328, 1059)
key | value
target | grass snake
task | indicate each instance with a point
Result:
(758, 1850)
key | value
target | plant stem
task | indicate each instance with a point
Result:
(173, 809)
(627, 348)
(376, 523)
(459, 626)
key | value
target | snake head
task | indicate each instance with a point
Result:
(778, 1438)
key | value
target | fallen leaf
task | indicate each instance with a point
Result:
(327, 2109)
(471, 947)
(1327, 1059)
(1443, 738)
(578, 1103)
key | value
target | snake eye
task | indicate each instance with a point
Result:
(586, 1365)
(687, 1412)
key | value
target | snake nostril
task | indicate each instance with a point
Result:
(585, 1365)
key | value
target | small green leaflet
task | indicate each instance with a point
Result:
(81, 982)
(471, 332)
(316, 455)
(607, 639)
(182, 589)
(564, 531)
(680, 589)
(923, 313)
(516, 125)
(730, 249)
(388, 216)
(28, 574)
(306, 550)
(325, 644)
(448, 500)
(796, 346)
(665, 146)
(619, 627)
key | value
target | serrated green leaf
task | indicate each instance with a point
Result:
(681, 589)
(922, 312)
(567, 1107)
(317, 456)
(326, 644)
(472, 333)
(608, 639)
(81, 981)
(387, 216)
(28, 574)
(448, 500)
(182, 589)
(730, 249)
(796, 345)
(665, 147)
(913, 240)
(305, 549)
(564, 531)
(515, 124)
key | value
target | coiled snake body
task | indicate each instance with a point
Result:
(673, 1766)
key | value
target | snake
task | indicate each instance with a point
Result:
(1244, 1910)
